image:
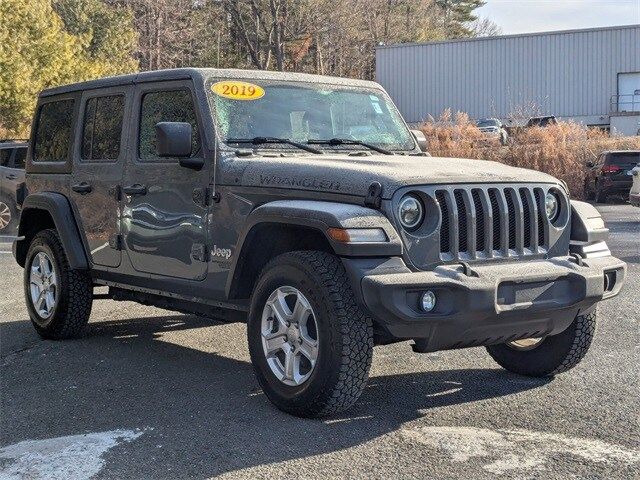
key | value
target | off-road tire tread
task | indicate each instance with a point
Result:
(582, 330)
(585, 328)
(356, 329)
(76, 297)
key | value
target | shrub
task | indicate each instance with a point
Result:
(560, 150)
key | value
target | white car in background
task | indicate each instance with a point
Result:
(634, 194)
(492, 127)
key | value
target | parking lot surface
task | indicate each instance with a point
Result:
(149, 393)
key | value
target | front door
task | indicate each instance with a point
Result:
(97, 171)
(165, 212)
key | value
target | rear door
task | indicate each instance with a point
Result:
(98, 166)
(5, 156)
(14, 174)
(165, 212)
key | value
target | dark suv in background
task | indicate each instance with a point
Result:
(611, 175)
(12, 158)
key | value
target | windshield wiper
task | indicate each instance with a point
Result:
(263, 140)
(346, 141)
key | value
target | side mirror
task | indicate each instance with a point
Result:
(173, 139)
(589, 164)
(421, 139)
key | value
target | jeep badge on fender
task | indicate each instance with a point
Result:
(304, 206)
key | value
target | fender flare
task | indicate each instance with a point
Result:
(319, 216)
(57, 205)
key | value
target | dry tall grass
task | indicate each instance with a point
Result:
(561, 150)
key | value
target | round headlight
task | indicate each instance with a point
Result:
(552, 206)
(410, 212)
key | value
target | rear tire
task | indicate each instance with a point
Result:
(553, 355)
(64, 309)
(343, 336)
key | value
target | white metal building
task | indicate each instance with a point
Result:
(591, 76)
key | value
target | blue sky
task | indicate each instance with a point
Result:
(524, 16)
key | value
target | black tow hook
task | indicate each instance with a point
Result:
(467, 270)
(577, 259)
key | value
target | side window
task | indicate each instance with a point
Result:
(5, 155)
(53, 131)
(102, 128)
(19, 158)
(167, 106)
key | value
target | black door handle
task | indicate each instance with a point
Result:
(11, 177)
(82, 187)
(135, 189)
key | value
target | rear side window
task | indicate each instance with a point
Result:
(167, 106)
(19, 158)
(53, 131)
(5, 154)
(102, 128)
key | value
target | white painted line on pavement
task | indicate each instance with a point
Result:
(73, 457)
(518, 450)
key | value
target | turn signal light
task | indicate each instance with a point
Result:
(357, 235)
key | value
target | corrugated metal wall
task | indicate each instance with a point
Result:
(567, 74)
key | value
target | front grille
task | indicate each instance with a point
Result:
(491, 222)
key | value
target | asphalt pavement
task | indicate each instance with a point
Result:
(149, 393)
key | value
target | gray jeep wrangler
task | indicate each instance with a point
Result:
(304, 206)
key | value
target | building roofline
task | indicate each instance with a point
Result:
(515, 35)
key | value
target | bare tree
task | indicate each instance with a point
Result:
(484, 27)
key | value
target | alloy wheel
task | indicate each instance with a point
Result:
(43, 285)
(5, 215)
(289, 336)
(526, 343)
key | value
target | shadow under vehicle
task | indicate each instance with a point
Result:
(304, 206)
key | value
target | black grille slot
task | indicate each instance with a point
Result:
(463, 243)
(541, 209)
(512, 219)
(526, 220)
(495, 212)
(477, 203)
(445, 244)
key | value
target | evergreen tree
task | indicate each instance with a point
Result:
(457, 16)
(37, 52)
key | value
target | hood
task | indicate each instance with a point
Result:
(352, 175)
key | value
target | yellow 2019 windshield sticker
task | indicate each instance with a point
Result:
(238, 90)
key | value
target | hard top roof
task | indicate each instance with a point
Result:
(202, 74)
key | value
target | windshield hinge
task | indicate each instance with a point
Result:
(374, 195)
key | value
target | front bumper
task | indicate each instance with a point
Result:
(491, 303)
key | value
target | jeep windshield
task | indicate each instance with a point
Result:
(322, 116)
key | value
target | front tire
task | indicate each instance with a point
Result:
(551, 355)
(58, 297)
(333, 328)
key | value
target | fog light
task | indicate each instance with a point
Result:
(428, 301)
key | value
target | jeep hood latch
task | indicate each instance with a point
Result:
(374, 196)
